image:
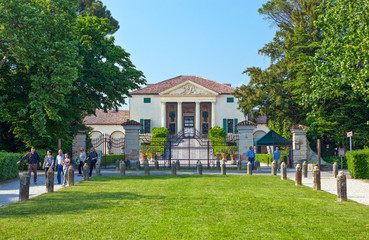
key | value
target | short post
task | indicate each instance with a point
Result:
(341, 187)
(137, 165)
(283, 171)
(218, 164)
(86, 172)
(24, 187)
(174, 169)
(224, 169)
(122, 168)
(50, 180)
(305, 169)
(128, 164)
(199, 167)
(70, 179)
(156, 165)
(146, 167)
(316, 176)
(117, 165)
(257, 165)
(335, 169)
(298, 175)
(274, 168)
(178, 165)
(239, 165)
(249, 168)
(98, 168)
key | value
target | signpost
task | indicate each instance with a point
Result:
(341, 153)
(349, 134)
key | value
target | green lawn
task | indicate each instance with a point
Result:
(184, 207)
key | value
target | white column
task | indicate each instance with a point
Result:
(163, 114)
(213, 119)
(197, 117)
(179, 116)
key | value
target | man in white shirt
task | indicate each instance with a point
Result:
(58, 165)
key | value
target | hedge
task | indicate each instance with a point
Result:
(264, 158)
(333, 159)
(8, 166)
(358, 163)
(112, 158)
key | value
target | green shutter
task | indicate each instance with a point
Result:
(142, 127)
(147, 100)
(225, 124)
(230, 100)
(235, 123)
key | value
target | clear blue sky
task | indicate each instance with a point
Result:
(215, 39)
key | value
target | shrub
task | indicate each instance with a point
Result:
(8, 166)
(160, 132)
(111, 158)
(333, 159)
(159, 140)
(217, 132)
(358, 163)
(264, 158)
(218, 140)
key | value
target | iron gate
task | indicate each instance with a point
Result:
(108, 145)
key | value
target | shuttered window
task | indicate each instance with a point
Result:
(230, 100)
(147, 100)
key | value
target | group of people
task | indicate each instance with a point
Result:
(250, 156)
(61, 164)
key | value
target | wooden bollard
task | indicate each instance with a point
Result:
(218, 164)
(274, 168)
(316, 176)
(341, 187)
(117, 165)
(50, 180)
(178, 165)
(199, 167)
(86, 172)
(156, 165)
(24, 187)
(137, 165)
(249, 168)
(283, 171)
(146, 167)
(298, 175)
(174, 168)
(335, 169)
(223, 169)
(70, 179)
(257, 165)
(98, 168)
(122, 168)
(305, 169)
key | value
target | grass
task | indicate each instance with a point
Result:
(185, 207)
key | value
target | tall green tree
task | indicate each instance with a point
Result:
(57, 67)
(277, 91)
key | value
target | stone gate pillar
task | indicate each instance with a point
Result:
(78, 142)
(246, 137)
(131, 140)
(299, 144)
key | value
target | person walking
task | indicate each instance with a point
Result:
(93, 157)
(66, 165)
(48, 161)
(58, 165)
(277, 156)
(33, 159)
(250, 156)
(82, 160)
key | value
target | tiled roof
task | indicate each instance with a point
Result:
(246, 123)
(262, 119)
(111, 117)
(131, 123)
(164, 85)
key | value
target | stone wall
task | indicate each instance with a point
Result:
(245, 139)
(299, 144)
(78, 142)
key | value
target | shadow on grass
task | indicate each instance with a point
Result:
(69, 202)
(151, 177)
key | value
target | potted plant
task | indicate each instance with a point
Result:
(144, 149)
(152, 151)
(224, 151)
(233, 151)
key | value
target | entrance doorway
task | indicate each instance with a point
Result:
(189, 129)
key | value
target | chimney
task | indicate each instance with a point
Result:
(228, 84)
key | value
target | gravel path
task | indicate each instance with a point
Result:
(357, 190)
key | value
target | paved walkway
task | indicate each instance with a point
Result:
(357, 190)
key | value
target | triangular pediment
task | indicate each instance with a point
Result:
(188, 88)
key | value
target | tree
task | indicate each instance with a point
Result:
(277, 91)
(58, 67)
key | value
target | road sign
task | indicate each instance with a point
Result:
(341, 152)
(349, 134)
